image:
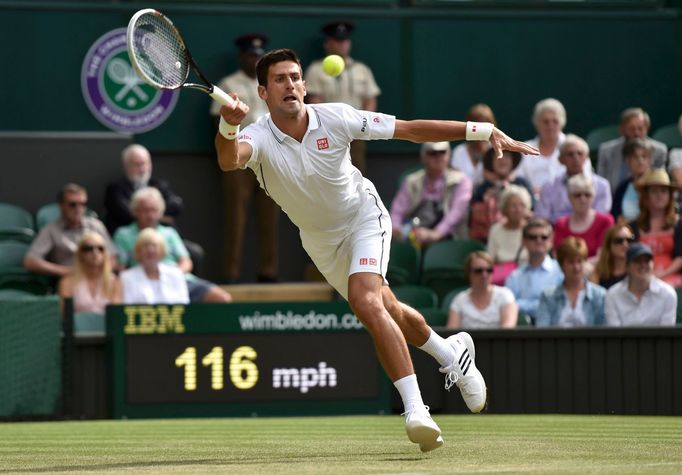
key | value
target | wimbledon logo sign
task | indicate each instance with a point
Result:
(114, 93)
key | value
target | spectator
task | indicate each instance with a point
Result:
(137, 166)
(549, 119)
(153, 281)
(638, 157)
(634, 123)
(53, 251)
(554, 202)
(432, 200)
(467, 157)
(92, 284)
(484, 202)
(675, 161)
(541, 272)
(483, 305)
(354, 86)
(576, 302)
(658, 225)
(505, 238)
(641, 298)
(611, 264)
(147, 205)
(583, 222)
(241, 186)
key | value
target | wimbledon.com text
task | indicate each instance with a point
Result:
(298, 321)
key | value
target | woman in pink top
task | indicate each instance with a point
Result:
(583, 222)
(92, 284)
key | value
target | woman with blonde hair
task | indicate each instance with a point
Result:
(611, 265)
(92, 284)
(483, 305)
(153, 281)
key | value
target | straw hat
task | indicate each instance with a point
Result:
(655, 177)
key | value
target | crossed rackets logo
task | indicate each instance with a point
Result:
(115, 94)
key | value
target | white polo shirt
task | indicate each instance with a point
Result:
(658, 305)
(314, 181)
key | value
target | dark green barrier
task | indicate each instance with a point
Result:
(30, 357)
(242, 359)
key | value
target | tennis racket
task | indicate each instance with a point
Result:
(160, 56)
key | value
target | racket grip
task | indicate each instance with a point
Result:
(221, 96)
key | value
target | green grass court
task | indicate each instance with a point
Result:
(352, 445)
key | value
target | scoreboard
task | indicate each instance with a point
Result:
(242, 359)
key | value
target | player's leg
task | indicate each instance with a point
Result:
(365, 298)
(456, 354)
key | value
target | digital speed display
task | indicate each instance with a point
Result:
(206, 360)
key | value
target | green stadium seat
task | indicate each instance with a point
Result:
(88, 324)
(443, 266)
(679, 305)
(669, 135)
(403, 265)
(13, 274)
(523, 320)
(434, 316)
(416, 296)
(15, 294)
(16, 223)
(598, 136)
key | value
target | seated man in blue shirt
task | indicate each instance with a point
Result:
(528, 281)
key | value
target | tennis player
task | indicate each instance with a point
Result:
(300, 155)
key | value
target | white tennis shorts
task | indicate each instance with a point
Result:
(364, 248)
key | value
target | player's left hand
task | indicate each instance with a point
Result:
(500, 141)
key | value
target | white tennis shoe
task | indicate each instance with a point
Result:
(421, 429)
(464, 374)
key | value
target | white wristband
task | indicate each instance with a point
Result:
(228, 130)
(479, 130)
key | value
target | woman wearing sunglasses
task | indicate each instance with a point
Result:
(92, 284)
(483, 305)
(611, 266)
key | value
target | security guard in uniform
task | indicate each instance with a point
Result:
(240, 186)
(354, 86)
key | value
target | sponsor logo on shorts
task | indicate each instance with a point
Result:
(114, 93)
(322, 144)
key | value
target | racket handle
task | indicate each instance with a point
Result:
(221, 96)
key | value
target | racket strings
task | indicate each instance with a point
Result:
(160, 52)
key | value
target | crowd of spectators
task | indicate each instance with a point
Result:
(615, 231)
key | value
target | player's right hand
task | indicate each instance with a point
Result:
(235, 113)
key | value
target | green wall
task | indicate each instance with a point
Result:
(429, 62)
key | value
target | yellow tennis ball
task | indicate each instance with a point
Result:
(333, 65)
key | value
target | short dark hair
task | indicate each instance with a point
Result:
(632, 145)
(570, 247)
(537, 223)
(68, 189)
(274, 57)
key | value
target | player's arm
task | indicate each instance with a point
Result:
(232, 154)
(449, 130)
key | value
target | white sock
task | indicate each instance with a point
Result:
(439, 348)
(409, 391)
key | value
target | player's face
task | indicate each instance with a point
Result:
(285, 90)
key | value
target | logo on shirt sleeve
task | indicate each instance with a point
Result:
(322, 144)
(368, 261)
(376, 119)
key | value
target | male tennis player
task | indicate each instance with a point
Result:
(300, 155)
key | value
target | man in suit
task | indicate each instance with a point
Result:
(137, 165)
(634, 123)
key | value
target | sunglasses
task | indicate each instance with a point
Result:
(481, 270)
(537, 237)
(75, 204)
(622, 240)
(433, 153)
(583, 194)
(92, 248)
